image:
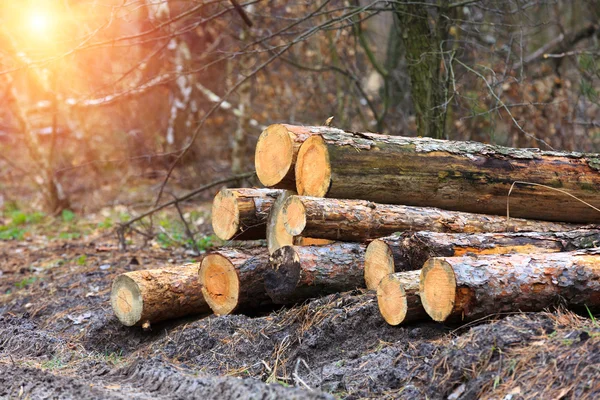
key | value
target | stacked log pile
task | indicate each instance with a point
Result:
(422, 222)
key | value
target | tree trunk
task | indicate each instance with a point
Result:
(299, 273)
(398, 298)
(409, 251)
(461, 176)
(359, 220)
(233, 280)
(241, 214)
(277, 150)
(149, 296)
(424, 57)
(469, 288)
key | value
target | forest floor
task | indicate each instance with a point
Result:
(60, 339)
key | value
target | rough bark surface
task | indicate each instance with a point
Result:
(299, 273)
(461, 176)
(409, 251)
(398, 298)
(161, 294)
(485, 285)
(360, 220)
(242, 214)
(248, 268)
(277, 151)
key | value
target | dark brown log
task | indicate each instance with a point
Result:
(409, 251)
(468, 288)
(241, 214)
(299, 273)
(398, 298)
(277, 150)
(149, 296)
(233, 280)
(461, 176)
(360, 220)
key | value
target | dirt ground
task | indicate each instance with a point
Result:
(60, 339)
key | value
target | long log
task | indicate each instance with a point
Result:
(277, 150)
(409, 251)
(233, 280)
(360, 220)
(150, 296)
(461, 176)
(398, 298)
(299, 273)
(468, 288)
(242, 213)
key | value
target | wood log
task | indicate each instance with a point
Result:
(468, 288)
(277, 150)
(299, 273)
(409, 251)
(242, 213)
(360, 220)
(461, 176)
(398, 298)
(233, 280)
(154, 295)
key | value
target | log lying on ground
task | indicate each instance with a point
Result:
(409, 251)
(150, 296)
(360, 220)
(233, 280)
(299, 273)
(242, 213)
(398, 298)
(277, 150)
(462, 176)
(468, 288)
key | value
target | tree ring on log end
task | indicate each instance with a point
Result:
(225, 215)
(126, 300)
(313, 170)
(283, 276)
(379, 263)
(274, 155)
(220, 283)
(438, 289)
(391, 299)
(294, 216)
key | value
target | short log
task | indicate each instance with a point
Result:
(398, 298)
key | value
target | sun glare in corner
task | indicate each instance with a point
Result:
(39, 22)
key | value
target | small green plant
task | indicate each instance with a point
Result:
(68, 215)
(82, 259)
(69, 235)
(114, 358)
(54, 363)
(106, 224)
(594, 322)
(12, 233)
(25, 282)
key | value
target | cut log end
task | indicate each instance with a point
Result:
(284, 275)
(274, 155)
(438, 289)
(313, 170)
(294, 216)
(277, 235)
(126, 300)
(391, 299)
(225, 215)
(220, 284)
(379, 263)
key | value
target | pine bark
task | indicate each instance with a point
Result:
(242, 214)
(157, 295)
(480, 286)
(360, 220)
(240, 286)
(460, 176)
(299, 273)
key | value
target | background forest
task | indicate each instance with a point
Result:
(103, 96)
